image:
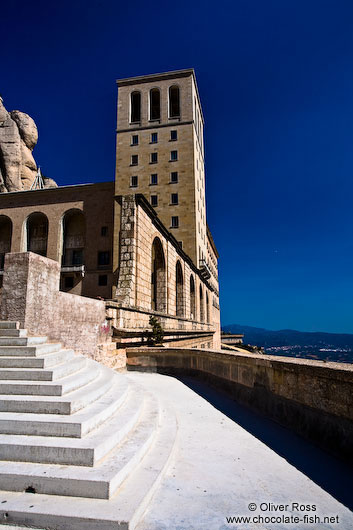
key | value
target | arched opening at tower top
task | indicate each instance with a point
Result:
(37, 233)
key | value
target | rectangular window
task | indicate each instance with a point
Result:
(175, 221)
(134, 160)
(102, 280)
(154, 138)
(154, 158)
(103, 258)
(104, 231)
(174, 177)
(174, 198)
(174, 155)
(134, 139)
(180, 244)
(133, 181)
(173, 136)
(154, 200)
(154, 179)
(77, 257)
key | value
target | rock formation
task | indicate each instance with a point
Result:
(18, 137)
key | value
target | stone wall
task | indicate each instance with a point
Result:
(313, 398)
(31, 295)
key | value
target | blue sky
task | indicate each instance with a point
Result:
(276, 85)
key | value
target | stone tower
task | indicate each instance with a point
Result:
(160, 153)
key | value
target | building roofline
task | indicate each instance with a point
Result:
(7, 193)
(155, 77)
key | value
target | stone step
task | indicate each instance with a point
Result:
(29, 351)
(73, 426)
(33, 374)
(13, 332)
(8, 324)
(122, 512)
(49, 388)
(102, 481)
(21, 341)
(46, 361)
(86, 451)
(67, 404)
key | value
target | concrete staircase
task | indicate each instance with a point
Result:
(80, 446)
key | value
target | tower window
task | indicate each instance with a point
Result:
(154, 200)
(104, 231)
(175, 221)
(134, 182)
(134, 139)
(174, 102)
(154, 158)
(173, 155)
(154, 138)
(174, 177)
(135, 107)
(155, 104)
(134, 160)
(173, 135)
(102, 280)
(103, 258)
(154, 179)
(174, 198)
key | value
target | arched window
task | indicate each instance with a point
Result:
(207, 309)
(179, 290)
(155, 104)
(202, 307)
(74, 230)
(37, 233)
(135, 107)
(192, 299)
(158, 279)
(174, 102)
(5, 238)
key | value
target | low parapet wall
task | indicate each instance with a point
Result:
(313, 398)
(30, 295)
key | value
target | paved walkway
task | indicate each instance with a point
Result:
(219, 468)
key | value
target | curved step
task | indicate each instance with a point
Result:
(123, 511)
(85, 451)
(103, 480)
(73, 426)
(46, 361)
(29, 351)
(33, 374)
(49, 388)
(67, 404)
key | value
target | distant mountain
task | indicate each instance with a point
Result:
(313, 345)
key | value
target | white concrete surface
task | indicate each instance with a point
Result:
(219, 468)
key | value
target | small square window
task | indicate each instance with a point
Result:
(174, 198)
(154, 158)
(174, 177)
(134, 139)
(104, 231)
(154, 200)
(154, 179)
(134, 160)
(173, 135)
(69, 282)
(103, 258)
(174, 155)
(134, 182)
(154, 138)
(102, 280)
(175, 221)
